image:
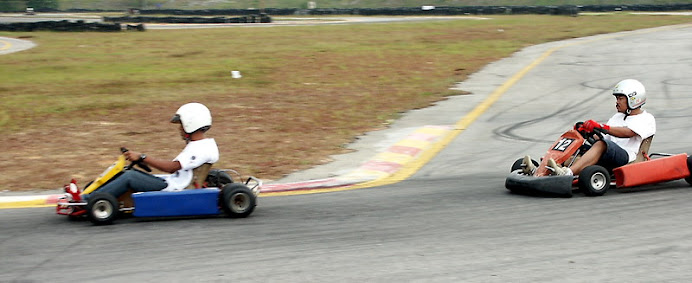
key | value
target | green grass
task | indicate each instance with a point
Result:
(306, 91)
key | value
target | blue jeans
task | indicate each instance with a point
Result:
(137, 181)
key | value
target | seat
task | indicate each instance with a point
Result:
(199, 176)
(643, 153)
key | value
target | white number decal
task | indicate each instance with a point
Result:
(563, 144)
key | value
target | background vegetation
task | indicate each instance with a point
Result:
(244, 4)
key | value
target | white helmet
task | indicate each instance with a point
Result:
(633, 90)
(193, 117)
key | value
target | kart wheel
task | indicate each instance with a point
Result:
(102, 208)
(689, 167)
(238, 200)
(594, 180)
(517, 164)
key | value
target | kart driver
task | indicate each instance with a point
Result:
(625, 132)
(194, 120)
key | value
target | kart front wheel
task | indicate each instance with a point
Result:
(594, 180)
(517, 164)
(238, 200)
(102, 208)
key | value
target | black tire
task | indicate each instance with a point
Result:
(238, 200)
(594, 180)
(102, 208)
(689, 167)
(517, 164)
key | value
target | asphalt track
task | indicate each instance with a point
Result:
(446, 217)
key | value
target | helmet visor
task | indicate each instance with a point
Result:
(175, 119)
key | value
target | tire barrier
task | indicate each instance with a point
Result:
(139, 27)
(262, 18)
(78, 26)
(430, 10)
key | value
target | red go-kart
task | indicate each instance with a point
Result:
(595, 180)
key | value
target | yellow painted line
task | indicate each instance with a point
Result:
(27, 203)
(393, 157)
(5, 45)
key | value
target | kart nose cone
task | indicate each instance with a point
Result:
(560, 186)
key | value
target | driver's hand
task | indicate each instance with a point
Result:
(132, 156)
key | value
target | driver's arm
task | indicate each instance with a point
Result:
(621, 132)
(167, 166)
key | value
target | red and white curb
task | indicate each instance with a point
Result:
(381, 166)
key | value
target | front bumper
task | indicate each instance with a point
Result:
(67, 206)
(547, 185)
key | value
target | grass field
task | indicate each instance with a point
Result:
(70, 103)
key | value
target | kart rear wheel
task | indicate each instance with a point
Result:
(594, 180)
(238, 200)
(517, 164)
(102, 208)
(689, 167)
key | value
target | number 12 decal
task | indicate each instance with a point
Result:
(563, 144)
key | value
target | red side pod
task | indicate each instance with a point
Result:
(653, 171)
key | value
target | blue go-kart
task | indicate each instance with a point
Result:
(212, 192)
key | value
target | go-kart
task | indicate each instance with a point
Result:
(212, 192)
(595, 180)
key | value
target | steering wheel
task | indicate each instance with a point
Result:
(589, 135)
(136, 162)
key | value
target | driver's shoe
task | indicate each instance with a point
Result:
(73, 191)
(527, 166)
(558, 170)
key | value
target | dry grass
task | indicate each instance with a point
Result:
(71, 102)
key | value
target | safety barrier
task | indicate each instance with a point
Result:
(423, 10)
(262, 18)
(79, 26)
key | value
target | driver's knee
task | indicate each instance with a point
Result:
(600, 147)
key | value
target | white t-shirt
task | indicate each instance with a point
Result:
(193, 155)
(643, 124)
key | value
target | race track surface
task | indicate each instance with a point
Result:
(10, 45)
(451, 221)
